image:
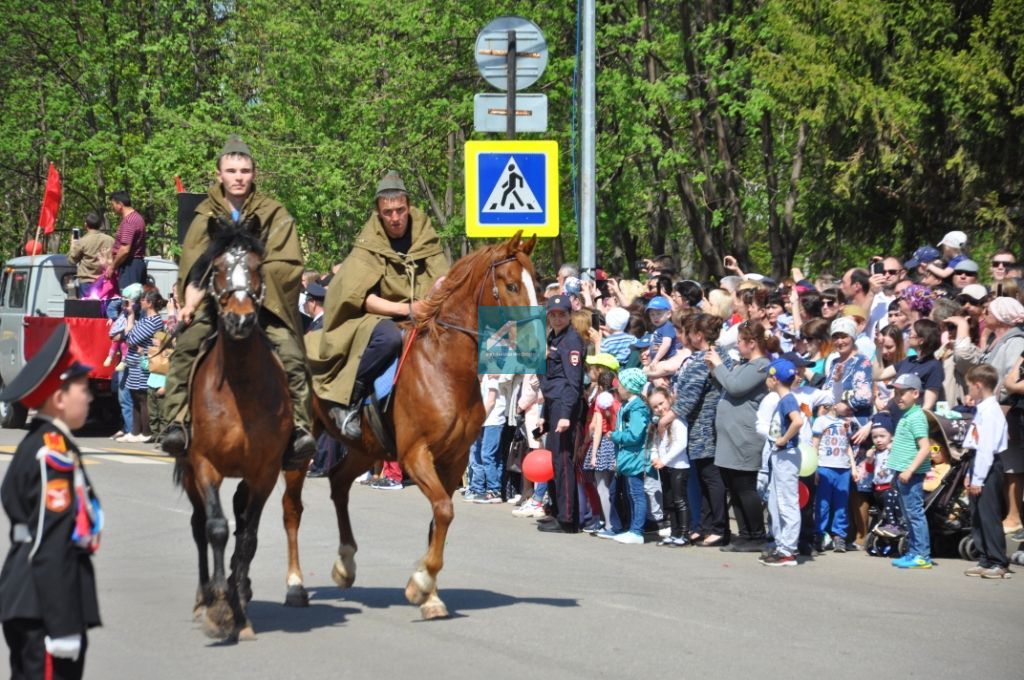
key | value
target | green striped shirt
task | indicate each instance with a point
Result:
(912, 426)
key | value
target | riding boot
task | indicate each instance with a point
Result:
(301, 448)
(175, 440)
(348, 419)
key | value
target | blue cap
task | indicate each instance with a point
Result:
(644, 342)
(316, 291)
(659, 303)
(782, 369)
(796, 359)
(560, 302)
(921, 255)
(883, 419)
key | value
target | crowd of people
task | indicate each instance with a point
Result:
(693, 399)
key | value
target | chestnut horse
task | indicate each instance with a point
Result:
(437, 411)
(241, 425)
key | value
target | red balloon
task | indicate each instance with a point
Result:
(803, 493)
(537, 466)
(33, 247)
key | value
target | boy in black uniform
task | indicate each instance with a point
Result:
(561, 387)
(47, 587)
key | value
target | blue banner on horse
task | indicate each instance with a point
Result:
(512, 340)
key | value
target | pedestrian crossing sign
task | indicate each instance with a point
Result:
(511, 186)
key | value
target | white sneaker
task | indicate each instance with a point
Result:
(629, 538)
(128, 438)
(530, 508)
(667, 531)
(514, 499)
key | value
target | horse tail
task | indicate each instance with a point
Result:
(180, 468)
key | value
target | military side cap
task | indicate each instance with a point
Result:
(391, 181)
(52, 366)
(235, 145)
(316, 291)
(560, 302)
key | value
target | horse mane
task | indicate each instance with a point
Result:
(458, 278)
(223, 236)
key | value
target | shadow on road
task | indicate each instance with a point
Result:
(457, 599)
(268, 617)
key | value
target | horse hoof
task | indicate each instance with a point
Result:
(419, 588)
(433, 610)
(247, 633)
(340, 576)
(296, 597)
(218, 621)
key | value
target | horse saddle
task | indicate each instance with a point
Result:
(378, 404)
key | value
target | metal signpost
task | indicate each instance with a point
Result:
(511, 185)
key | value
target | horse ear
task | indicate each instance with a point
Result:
(528, 246)
(512, 246)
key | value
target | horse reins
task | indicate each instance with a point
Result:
(475, 334)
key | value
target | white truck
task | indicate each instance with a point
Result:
(34, 297)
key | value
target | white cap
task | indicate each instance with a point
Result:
(954, 239)
(617, 318)
(845, 325)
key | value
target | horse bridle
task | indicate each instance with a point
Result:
(234, 260)
(475, 334)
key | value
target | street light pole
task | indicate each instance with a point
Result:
(588, 208)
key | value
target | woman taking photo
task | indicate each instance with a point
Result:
(738, 449)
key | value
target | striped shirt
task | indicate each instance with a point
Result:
(131, 234)
(139, 338)
(912, 427)
(618, 344)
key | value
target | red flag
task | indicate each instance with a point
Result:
(51, 201)
(178, 185)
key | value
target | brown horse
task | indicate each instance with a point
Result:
(437, 411)
(241, 425)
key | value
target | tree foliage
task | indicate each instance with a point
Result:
(782, 131)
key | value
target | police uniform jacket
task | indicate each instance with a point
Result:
(562, 385)
(47, 576)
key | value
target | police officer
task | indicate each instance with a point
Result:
(562, 387)
(47, 587)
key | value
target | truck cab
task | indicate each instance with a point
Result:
(34, 296)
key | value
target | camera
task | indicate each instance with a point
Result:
(639, 265)
(76, 233)
(878, 267)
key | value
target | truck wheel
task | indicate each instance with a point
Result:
(12, 415)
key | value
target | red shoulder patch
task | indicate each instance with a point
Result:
(55, 442)
(574, 358)
(58, 495)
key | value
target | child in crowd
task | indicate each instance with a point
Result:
(783, 492)
(884, 482)
(618, 341)
(835, 468)
(909, 457)
(988, 437)
(631, 459)
(599, 456)
(669, 458)
(939, 457)
(663, 333)
(529, 405)
(118, 347)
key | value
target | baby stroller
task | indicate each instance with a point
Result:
(946, 506)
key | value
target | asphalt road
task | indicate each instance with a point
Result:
(523, 603)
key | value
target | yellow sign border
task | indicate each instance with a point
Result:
(550, 149)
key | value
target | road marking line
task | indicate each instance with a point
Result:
(131, 459)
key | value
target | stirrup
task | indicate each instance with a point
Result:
(175, 440)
